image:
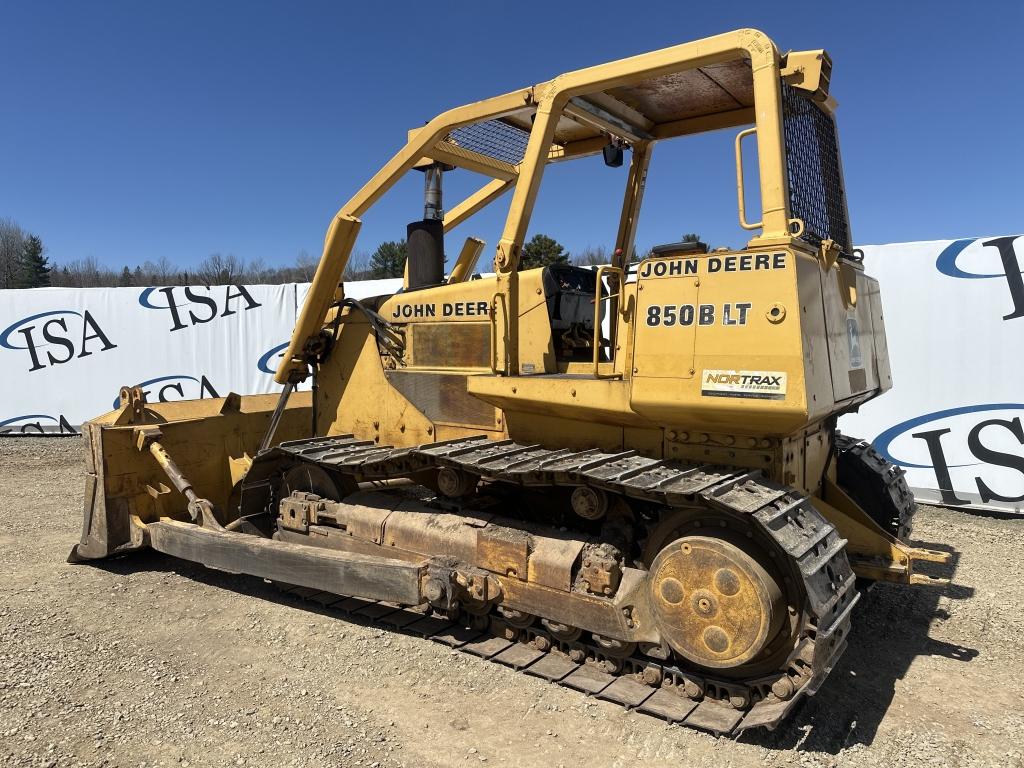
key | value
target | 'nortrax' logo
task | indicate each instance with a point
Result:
(198, 299)
(744, 380)
(52, 338)
(36, 424)
(1004, 246)
(177, 387)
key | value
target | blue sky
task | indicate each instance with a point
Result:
(131, 131)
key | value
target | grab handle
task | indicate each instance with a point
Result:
(494, 333)
(612, 320)
(740, 192)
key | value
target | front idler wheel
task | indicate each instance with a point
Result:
(714, 603)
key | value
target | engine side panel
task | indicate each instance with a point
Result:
(718, 345)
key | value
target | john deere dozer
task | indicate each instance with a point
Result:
(627, 480)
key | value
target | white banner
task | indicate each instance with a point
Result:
(66, 352)
(954, 317)
(954, 313)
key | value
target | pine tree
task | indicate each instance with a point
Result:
(33, 268)
(126, 277)
(388, 260)
(542, 251)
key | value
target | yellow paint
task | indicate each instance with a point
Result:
(688, 333)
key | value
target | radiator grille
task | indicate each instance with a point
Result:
(442, 398)
(816, 194)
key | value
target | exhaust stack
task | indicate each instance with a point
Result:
(425, 239)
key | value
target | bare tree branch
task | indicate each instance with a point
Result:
(12, 239)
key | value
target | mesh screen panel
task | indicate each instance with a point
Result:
(493, 138)
(816, 192)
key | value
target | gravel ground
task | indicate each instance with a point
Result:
(149, 661)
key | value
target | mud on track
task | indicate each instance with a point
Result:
(152, 661)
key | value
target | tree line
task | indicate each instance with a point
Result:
(23, 264)
(388, 260)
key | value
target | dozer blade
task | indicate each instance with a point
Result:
(211, 440)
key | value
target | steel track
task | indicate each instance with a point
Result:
(885, 480)
(664, 690)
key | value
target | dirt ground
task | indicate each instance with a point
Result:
(150, 661)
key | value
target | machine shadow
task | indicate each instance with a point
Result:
(847, 709)
(890, 629)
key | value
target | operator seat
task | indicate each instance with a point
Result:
(570, 293)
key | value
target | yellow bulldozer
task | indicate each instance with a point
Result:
(627, 480)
